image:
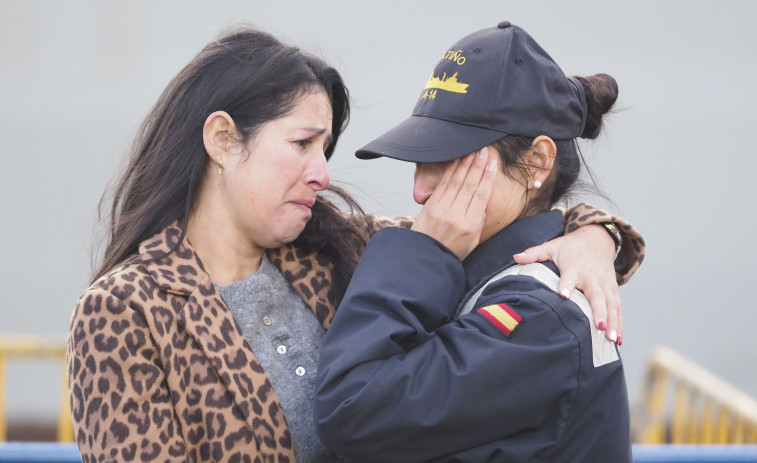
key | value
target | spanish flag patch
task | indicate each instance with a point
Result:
(502, 316)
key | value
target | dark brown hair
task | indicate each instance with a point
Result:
(601, 93)
(254, 78)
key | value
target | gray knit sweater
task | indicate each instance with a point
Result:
(286, 338)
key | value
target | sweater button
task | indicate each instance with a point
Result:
(266, 320)
(282, 349)
(299, 371)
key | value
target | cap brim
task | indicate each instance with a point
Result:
(424, 139)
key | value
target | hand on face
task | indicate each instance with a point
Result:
(455, 211)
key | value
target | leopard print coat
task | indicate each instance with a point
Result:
(160, 371)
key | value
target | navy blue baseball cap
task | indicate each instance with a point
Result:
(492, 83)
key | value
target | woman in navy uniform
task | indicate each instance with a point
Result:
(443, 349)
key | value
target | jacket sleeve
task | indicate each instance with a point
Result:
(399, 381)
(633, 249)
(121, 407)
(374, 223)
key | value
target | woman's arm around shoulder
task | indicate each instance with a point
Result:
(633, 248)
(587, 258)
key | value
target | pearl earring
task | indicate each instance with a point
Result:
(537, 184)
(220, 166)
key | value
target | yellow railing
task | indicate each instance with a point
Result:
(683, 403)
(25, 347)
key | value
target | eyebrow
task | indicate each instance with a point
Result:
(316, 130)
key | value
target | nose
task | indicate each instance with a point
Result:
(426, 178)
(317, 173)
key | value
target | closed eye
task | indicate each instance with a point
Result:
(303, 144)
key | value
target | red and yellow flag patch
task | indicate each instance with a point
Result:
(502, 316)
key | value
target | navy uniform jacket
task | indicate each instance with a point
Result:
(401, 379)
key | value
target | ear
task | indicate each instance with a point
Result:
(541, 158)
(217, 135)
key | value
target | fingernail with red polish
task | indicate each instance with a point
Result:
(620, 340)
(601, 325)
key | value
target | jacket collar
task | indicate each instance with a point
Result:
(207, 319)
(174, 271)
(496, 253)
(304, 270)
(311, 275)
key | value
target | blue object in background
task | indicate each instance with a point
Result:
(694, 453)
(48, 452)
(23, 452)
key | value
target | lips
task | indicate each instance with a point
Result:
(305, 202)
(305, 205)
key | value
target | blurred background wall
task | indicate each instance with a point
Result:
(76, 78)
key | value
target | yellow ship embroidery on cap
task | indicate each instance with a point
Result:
(450, 84)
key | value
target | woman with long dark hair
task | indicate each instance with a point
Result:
(199, 336)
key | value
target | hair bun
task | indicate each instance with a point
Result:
(601, 94)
